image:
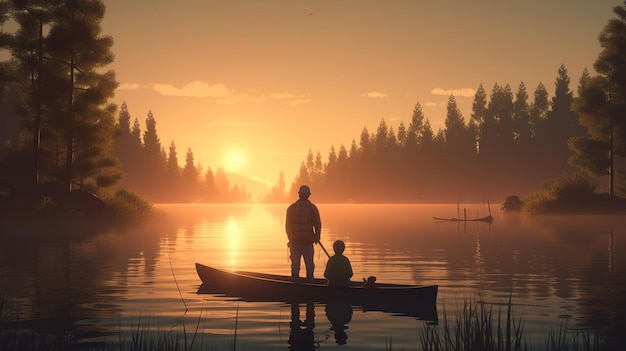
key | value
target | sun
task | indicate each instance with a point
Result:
(234, 160)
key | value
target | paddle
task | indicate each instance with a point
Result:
(323, 248)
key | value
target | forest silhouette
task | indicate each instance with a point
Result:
(512, 143)
(522, 144)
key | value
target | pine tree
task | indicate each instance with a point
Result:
(521, 117)
(602, 105)
(78, 52)
(190, 176)
(172, 175)
(500, 110)
(538, 113)
(30, 77)
(153, 161)
(561, 123)
(415, 129)
(456, 132)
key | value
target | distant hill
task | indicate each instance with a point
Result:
(254, 187)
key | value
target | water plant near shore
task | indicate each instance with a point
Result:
(478, 327)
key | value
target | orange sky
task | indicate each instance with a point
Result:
(253, 85)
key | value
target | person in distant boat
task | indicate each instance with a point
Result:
(303, 226)
(338, 268)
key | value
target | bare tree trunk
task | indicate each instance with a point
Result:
(69, 137)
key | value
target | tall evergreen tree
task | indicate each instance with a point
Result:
(190, 177)
(30, 77)
(487, 125)
(78, 52)
(415, 129)
(153, 160)
(500, 110)
(538, 112)
(402, 135)
(521, 117)
(380, 138)
(172, 171)
(602, 105)
(125, 148)
(456, 132)
(561, 123)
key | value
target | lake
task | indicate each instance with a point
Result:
(556, 270)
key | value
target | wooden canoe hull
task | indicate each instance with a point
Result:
(419, 302)
(487, 219)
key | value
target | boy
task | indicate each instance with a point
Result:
(338, 269)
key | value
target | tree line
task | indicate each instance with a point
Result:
(64, 128)
(58, 123)
(509, 144)
(156, 173)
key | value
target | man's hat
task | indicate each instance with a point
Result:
(304, 190)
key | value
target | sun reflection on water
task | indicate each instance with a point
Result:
(232, 230)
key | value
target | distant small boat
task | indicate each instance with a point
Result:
(486, 219)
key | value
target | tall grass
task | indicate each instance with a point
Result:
(477, 327)
(566, 340)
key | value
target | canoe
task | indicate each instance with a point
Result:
(410, 300)
(486, 219)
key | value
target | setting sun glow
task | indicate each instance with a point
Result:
(234, 161)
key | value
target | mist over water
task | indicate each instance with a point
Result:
(556, 269)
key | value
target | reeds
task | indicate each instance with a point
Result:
(577, 340)
(476, 327)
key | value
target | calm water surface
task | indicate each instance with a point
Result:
(556, 270)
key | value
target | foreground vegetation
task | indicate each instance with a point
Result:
(479, 327)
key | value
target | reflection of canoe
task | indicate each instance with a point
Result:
(419, 302)
(487, 219)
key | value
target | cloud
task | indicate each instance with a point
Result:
(128, 86)
(375, 94)
(194, 89)
(220, 92)
(464, 92)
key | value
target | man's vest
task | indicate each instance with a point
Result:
(301, 220)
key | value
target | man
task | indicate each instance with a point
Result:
(303, 227)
